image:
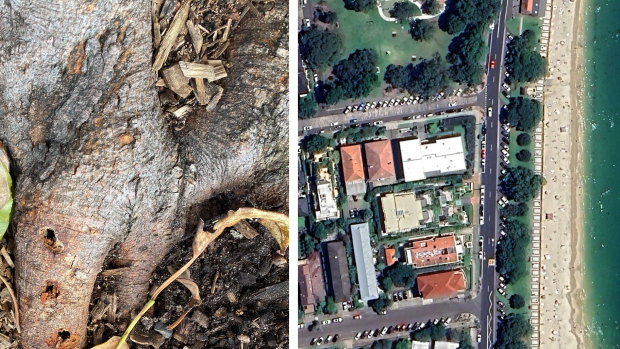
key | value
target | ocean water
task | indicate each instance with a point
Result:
(602, 172)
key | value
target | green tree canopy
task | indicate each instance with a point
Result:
(403, 10)
(325, 16)
(403, 343)
(359, 5)
(520, 184)
(459, 13)
(319, 48)
(403, 275)
(307, 106)
(316, 143)
(524, 139)
(516, 301)
(355, 77)
(425, 78)
(524, 113)
(466, 53)
(523, 62)
(431, 7)
(331, 307)
(512, 332)
(382, 303)
(524, 155)
(511, 254)
(514, 210)
(421, 29)
(387, 283)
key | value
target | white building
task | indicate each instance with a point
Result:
(364, 261)
(445, 345)
(326, 202)
(441, 157)
(420, 345)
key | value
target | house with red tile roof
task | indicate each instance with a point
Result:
(380, 162)
(389, 255)
(441, 284)
(311, 284)
(433, 251)
(353, 169)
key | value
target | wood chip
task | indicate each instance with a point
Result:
(171, 35)
(161, 83)
(197, 39)
(221, 49)
(211, 72)
(213, 102)
(245, 229)
(180, 113)
(227, 30)
(202, 94)
(7, 257)
(155, 7)
(177, 81)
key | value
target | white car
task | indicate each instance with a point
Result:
(307, 128)
(335, 123)
(490, 111)
(377, 123)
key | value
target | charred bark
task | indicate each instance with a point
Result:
(96, 167)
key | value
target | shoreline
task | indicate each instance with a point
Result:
(576, 295)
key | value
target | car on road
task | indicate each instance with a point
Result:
(307, 128)
(479, 338)
(383, 312)
(492, 64)
(357, 316)
(338, 319)
(326, 322)
(377, 123)
(490, 111)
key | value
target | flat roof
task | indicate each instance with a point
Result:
(433, 251)
(445, 345)
(366, 275)
(326, 203)
(401, 212)
(420, 345)
(338, 271)
(440, 157)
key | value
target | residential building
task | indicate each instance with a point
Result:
(441, 284)
(303, 86)
(430, 159)
(527, 7)
(380, 162)
(402, 212)
(311, 285)
(326, 206)
(366, 274)
(353, 169)
(433, 251)
(390, 252)
(338, 271)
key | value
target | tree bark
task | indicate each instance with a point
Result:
(97, 169)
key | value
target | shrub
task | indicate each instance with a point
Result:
(524, 155)
(516, 301)
(524, 139)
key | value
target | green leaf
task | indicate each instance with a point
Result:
(7, 192)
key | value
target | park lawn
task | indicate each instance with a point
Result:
(529, 22)
(515, 148)
(368, 30)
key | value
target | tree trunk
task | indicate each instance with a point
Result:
(98, 170)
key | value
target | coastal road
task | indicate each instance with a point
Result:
(389, 114)
(370, 320)
(489, 178)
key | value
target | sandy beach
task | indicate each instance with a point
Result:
(561, 290)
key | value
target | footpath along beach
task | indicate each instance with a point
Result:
(561, 285)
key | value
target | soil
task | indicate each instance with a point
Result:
(243, 286)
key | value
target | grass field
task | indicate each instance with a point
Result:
(368, 30)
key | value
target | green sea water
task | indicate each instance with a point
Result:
(602, 172)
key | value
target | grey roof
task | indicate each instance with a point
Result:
(338, 270)
(363, 260)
